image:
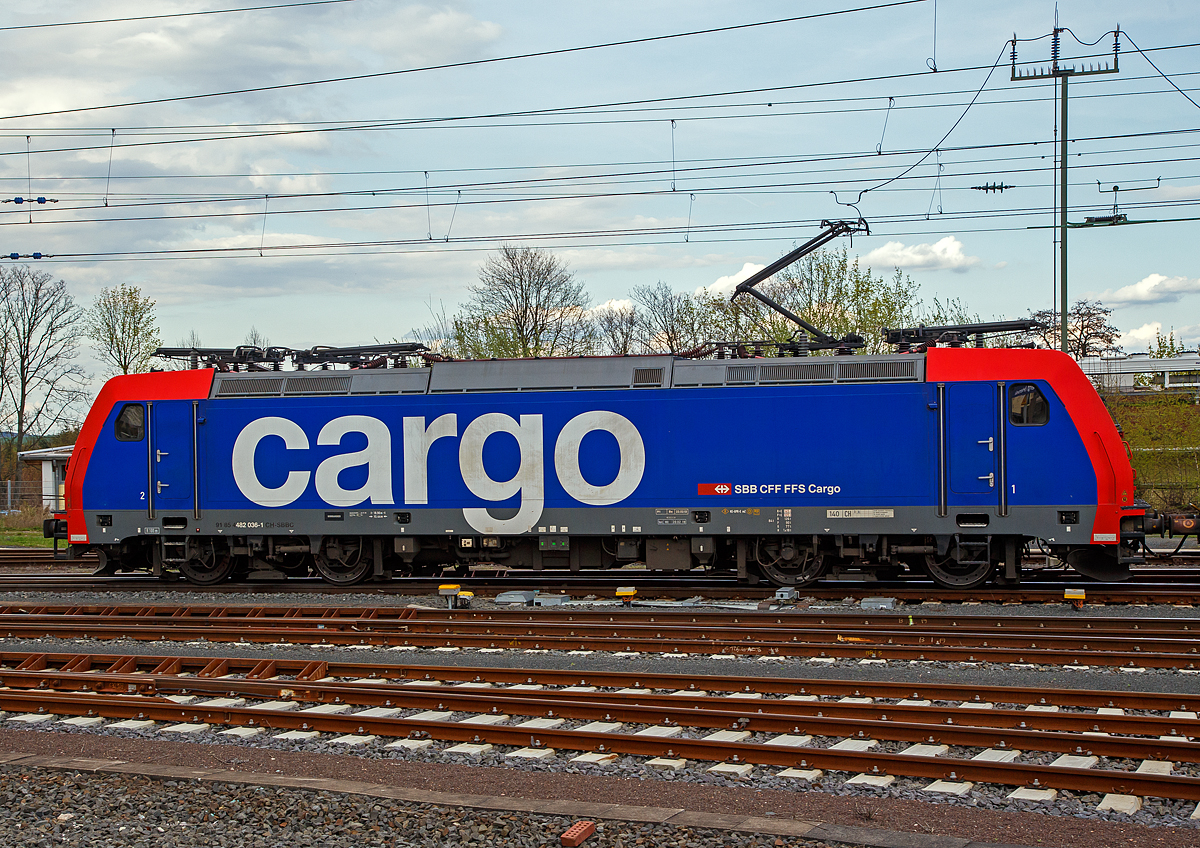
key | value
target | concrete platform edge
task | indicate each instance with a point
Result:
(863, 836)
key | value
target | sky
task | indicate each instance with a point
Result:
(346, 212)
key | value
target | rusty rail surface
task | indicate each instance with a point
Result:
(1144, 643)
(116, 686)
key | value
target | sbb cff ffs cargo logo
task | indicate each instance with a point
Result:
(714, 489)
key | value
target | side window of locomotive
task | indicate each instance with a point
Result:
(130, 425)
(1027, 406)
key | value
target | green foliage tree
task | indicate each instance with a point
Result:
(122, 328)
(1165, 347)
(833, 293)
(528, 304)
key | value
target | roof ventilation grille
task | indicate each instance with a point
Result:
(253, 386)
(322, 385)
(647, 376)
(903, 370)
(808, 372)
(741, 373)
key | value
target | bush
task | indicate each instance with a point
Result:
(25, 518)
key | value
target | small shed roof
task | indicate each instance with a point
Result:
(61, 454)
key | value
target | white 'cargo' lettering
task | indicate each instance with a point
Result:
(377, 456)
(243, 461)
(417, 442)
(529, 481)
(629, 472)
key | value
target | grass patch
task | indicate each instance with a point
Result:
(24, 539)
(23, 529)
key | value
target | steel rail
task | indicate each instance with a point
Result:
(911, 591)
(648, 619)
(242, 633)
(312, 670)
(739, 636)
(966, 726)
(155, 709)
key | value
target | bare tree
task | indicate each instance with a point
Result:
(438, 334)
(256, 339)
(192, 342)
(527, 304)
(41, 327)
(1089, 332)
(617, 323)
(669, 321)
(122, 328)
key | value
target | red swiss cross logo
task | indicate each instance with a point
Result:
(714, 489)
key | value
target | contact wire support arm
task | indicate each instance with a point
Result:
(833, 229)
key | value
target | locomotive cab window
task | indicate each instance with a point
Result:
(130, 425)
(1027, 406)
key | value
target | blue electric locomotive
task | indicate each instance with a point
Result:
(949, 461)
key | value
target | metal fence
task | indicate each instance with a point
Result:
(15, 494)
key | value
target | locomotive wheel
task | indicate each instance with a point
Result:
(342, 564)
(799, 572)
(207, 566)
(949, 573)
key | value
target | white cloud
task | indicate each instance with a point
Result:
(725, 285)
(1169, 192)
(1152, 289)
(944, 255)
(1139, 338)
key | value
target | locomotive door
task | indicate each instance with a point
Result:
(171, 466)
(972, 438)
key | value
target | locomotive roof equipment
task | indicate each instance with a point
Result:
(821, 340)
(955, 335)
(272, 358)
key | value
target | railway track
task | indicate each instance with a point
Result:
(1076, 642)
(913, 592)
(1036, 739)
(1151, 584)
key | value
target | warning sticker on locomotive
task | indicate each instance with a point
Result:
(860, 513)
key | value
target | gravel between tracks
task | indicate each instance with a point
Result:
(885, 813)
(59, 808)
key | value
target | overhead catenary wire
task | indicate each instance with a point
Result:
(1161, 73)
(487, 243)
(471, 123)
(536, 54)
(166, 15)
(607, 108)
(480, 189)
(689, 227)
